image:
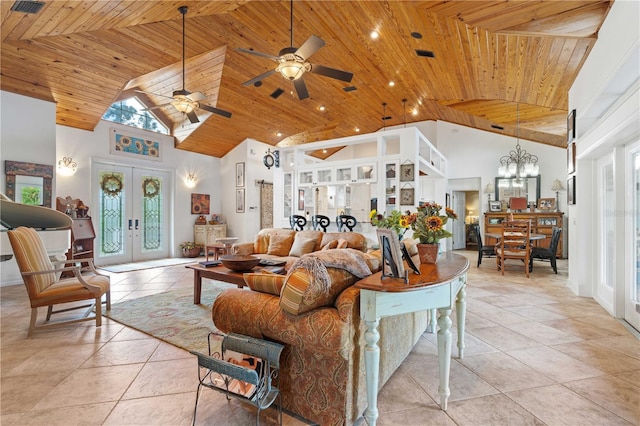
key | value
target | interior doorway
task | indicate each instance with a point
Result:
(468, 207)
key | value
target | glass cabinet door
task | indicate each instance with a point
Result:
(391, 185)
(324, 176)
(343, 174)
(288, 194)
(305, 178)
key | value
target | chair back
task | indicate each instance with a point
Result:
(476, 230)
(320, 222)
(297, 222)
(555, 239)
(346, 222)
(515, 242)
(31, 256)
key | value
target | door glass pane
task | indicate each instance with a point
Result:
(151, 213)
(608, 237)
(635, 289)
(112, 198)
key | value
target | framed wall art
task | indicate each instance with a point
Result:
(571, 157)
(127, 144)
(239, 175)
(300, 199)
(407, 172)
(571, 126)
(240, 200)
(571, 190)
(200, 203)
(407, 196)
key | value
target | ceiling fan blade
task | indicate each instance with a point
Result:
(253, 52)
(193, 118)
(196, 96)
(331, 72)
(153, 94)
(301, 89)
(259, 78)
(309, 47)
(216, 110)
(156, 107)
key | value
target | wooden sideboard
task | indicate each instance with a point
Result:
(207, 234)
(541, 223)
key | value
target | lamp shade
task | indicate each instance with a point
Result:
(489, 188)
(557, 185)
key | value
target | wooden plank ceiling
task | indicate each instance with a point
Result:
(490, 58)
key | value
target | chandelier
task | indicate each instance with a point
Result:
(519, 163)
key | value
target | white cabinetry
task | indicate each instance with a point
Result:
(391, 172)
(207, 234)
(360, 173)
(315, 176)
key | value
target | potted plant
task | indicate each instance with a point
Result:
(428, 227)
(190, 249)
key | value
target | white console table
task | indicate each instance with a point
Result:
(438, 286)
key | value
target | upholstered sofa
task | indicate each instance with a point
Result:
(317, 317)
(288, 245)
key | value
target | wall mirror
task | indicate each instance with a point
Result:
(29, 183)
(518, 187)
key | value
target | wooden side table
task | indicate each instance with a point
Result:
(217, 250)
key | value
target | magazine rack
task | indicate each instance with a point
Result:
(245, 368)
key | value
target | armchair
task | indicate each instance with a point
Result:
(44, 286)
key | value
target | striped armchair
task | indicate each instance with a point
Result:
(44, 286)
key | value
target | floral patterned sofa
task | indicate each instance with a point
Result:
(315, 312)
(289, 245)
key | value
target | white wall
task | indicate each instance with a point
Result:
(606, 97)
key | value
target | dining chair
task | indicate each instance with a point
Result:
(45, 288)
(320, 222)
(297, 222)
(483, 250)
(515, 243)
(346, 222)
(544, 253)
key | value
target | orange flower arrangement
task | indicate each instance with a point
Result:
(428, 223)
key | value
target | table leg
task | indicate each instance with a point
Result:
(372, 368)
(197, 287)
(432, 321)
(444, 355)
(461, 314)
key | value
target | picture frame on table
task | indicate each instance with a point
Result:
(240, 200)
(571, 190)
(392, 265)
(239, 175)
(547, 204)
(495, 206)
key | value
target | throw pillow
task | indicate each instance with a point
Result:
(279, 245)
(330, 245)
(342, 243)
(265, 282)
(302, 293)
(302, 246)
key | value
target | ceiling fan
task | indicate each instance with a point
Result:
(183, 100)
(292, 64)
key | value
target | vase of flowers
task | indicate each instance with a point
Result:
(428, 227)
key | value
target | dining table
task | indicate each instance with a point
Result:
(532, 236)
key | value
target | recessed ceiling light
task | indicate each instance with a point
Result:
(321, 108)
(357, 129)
(324, 151)
(279, 134)
(392, 83)
(374, 35)
(415, 111)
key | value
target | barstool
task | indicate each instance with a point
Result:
(297, 222)
(320, 221)
(345, 221)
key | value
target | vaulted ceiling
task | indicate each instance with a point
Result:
(490, 59)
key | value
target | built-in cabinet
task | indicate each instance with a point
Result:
(391, 184)
(207, 234)
(541, 223)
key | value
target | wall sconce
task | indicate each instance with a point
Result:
(67, 167)
(191, 180)
(271, 159)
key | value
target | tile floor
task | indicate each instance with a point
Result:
(535, 354)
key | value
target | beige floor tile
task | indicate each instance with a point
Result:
(604, 359)
(91, 385)
(504, 339)
(627, 344)
(61, 358)
(426, 416)
(576, 327)
(122, 352)
(616, 395)
(401, 392)
(22, 393)
(165, 410)
(504, 373)
(165, 352)
(130, 334)
(557, 405)
(165, 377)
(555, 364)
(90, 414)
(542, 333)
(632, 377)
(504, 411)
(535, 313)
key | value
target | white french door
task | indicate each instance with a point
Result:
(632, 241)
(133, 213)
(459, 235)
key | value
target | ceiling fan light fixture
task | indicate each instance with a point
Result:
(292, 68)
(184, 104)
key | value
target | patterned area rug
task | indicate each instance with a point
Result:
(137, 266)
(171, 316)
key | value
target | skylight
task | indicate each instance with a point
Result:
(131, 112)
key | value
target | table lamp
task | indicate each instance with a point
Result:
(489, 189)
(557, 187)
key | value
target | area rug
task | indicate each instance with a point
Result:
(171, 316)
(137, 266)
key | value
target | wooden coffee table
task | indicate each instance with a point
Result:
(221, 273)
